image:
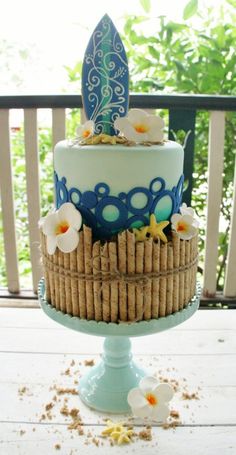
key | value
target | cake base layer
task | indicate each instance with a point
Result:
(121, 280)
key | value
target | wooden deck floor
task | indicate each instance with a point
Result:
(38, 356)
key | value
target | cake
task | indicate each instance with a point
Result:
(119, 246)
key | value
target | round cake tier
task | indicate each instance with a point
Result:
(116, 187)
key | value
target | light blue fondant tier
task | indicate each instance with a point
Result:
(115, 186)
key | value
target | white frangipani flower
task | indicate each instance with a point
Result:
(139, 126)
(61, 228)
(184, 225)
(185, 210)
(150, 399)
(86, 130)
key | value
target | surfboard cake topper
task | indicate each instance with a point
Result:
(105, 78)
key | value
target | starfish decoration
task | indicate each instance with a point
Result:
(141, 234)
(111, 427)
(156, 229)
(118, 432)
(122, 437)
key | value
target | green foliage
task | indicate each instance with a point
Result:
(146, 4)
(183, 58)
(190, 9)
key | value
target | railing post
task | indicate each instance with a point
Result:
(215, 171)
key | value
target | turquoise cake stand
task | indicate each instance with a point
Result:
(106, 385)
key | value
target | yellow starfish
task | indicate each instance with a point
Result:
(156, 229)
(112, 427)
(141, 234)
(122, 437)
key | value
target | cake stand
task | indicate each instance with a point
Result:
(106, 385)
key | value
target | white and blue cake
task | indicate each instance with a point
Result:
(120, 245)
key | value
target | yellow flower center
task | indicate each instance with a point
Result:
(152, 400)
(86, 133)
(140, 128)
(62, 228)
(182, 227)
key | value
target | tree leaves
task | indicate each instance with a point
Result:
(190, 9)
(146, 5)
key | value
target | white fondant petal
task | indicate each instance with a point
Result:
(155, 121)
(137, 115)
(189, 234)
(67, 212)
(164, 392)
(155, 135)
(187, 219)
(51, 244)
(184, 210)
(89, 125)
(148, 383)
(50, 223)
(68, 241)
(135, 398)
(160, 413)
(120, 123)
(142, 412)
(137, 137)
(176, 217)
(79, 130)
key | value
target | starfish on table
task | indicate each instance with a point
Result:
(122, 437)
(118, 432)
(156, 229)
(111, 427)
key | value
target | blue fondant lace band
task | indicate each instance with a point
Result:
(108, 214)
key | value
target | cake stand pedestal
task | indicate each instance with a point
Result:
(105, 387)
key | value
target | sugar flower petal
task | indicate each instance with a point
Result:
(150, 399)
(176, 217)
(164, 392)
(160, 413)
(136, 398)
(68, 241)
(148, 383)
(139, 126)
(69, 213)
(86, 130)
(142, 412)
(184, 226)
(51, 244)
(49, 223)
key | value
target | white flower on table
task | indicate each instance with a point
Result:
(150, 399)
(61, 228)
(139, 126)
(86, 130)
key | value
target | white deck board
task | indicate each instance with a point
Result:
(200, 440)
(35, 317)
(35, 352)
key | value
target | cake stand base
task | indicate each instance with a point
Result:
(105, 387)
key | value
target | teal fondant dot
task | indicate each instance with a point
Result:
(110, 213)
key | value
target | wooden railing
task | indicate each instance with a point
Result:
(182, 112)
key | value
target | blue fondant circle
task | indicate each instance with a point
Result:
(122, 217)
(142, 210)
(75, 191)
(136, 219)
(154, 209)
(161, 182)
(89, 199)
(102, 189)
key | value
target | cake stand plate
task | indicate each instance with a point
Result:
(105, 387)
